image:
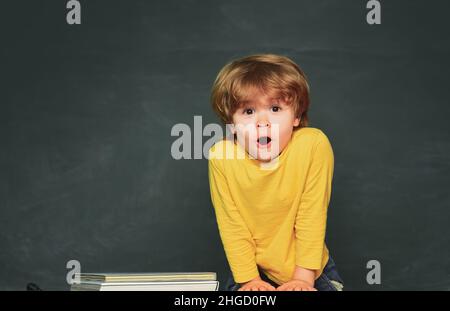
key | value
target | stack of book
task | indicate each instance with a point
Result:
(172, 281)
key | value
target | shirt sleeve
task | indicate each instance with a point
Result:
(310, 223)
(237, 240)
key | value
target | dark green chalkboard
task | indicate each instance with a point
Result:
(86, 113)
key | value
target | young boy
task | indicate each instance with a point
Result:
(271, 183)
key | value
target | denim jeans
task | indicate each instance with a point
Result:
(329, 280)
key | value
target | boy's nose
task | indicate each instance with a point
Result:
(262, 122)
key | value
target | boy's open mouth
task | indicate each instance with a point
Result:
(264, 140)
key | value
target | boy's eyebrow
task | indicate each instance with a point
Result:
(249, 101)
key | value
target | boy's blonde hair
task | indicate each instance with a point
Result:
(268, 73)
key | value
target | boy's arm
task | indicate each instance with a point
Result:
(303, 274)
(236, 238)
(311, 217)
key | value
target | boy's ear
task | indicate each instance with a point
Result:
(296, 122)
(232, 128)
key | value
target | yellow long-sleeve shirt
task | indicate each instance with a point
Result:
(273, 219)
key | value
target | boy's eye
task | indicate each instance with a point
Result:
(248, 111)
(276, 108)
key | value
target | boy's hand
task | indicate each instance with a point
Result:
(256, 285)
(296, 285)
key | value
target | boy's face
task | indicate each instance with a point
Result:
(264, 125)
